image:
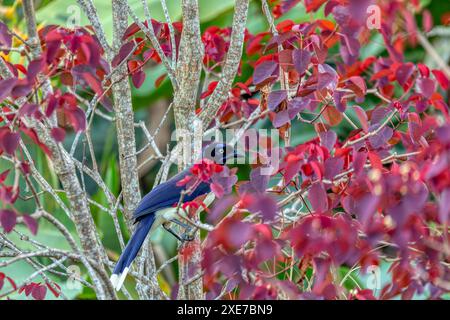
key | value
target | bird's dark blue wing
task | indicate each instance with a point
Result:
(167, 194)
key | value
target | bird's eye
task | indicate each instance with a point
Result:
(221, 151)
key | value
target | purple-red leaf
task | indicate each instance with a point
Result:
(404, 72)
(264, 71)
(426, 87)
(281, 118)
(381, 137)
(317, 196)
(76, 117)
(297, 105)
(328, 139)
(327, 77)
(275, 98)
(31, 223)
(34, 68)
(28, 109)
(5, 37)
(441, 78)
(301, 59)
(6, 87)
(9, 141)
(362, 117)
(444, 206)
(124, 52)
(265, 205)
(359, 160)
(58, 134)
(333, 167)
(8, 220)
(138, 78)
(39, 292)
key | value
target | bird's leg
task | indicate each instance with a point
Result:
(166, 226)
(187, 236)
(181, 224)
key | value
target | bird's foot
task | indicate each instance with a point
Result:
(188, 237)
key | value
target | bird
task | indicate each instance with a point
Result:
(157, 208)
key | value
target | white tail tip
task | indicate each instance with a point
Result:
(117, 280)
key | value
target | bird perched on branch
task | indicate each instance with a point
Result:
(158, 208)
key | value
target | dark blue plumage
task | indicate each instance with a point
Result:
(167, 194)
(155, 208)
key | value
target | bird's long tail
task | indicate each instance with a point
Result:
(131, 250)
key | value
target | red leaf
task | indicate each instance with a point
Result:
(362, 117)
(427, 20)
(441, 78)
(8, 220)
(275, 98)
(9, 141)
(160, 80)
(264, 205)
(211, 86)
(404, 72)
(426, 87)
(359, 86)
(28, 109)
(424, 70)
(124, 52)
(6, 87)
(29, 288)
(56, 292)
(93, 83)
(375, 161)
(317, 196)
(285, 60)
(12, 283)
(58, 134)
(301, 59)
(383, 136)
(76, 117)
(39, 292)
(5, 37)
(359, 160)
(281, 118)
(4, 175)
(34, 68)
(444, 206)
(138, 78)
(32, 134)
(31, 223)
(265, 71)
(217, 189)
(332, 115)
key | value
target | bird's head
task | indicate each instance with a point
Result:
(220, 153)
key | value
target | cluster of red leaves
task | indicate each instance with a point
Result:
(8, 196)
(220, 178)
(137, 51)
(8, 220)
(35, 290)
(4, 277)
(216, 41)
(74, 57)
(38, 291)
(361, 192)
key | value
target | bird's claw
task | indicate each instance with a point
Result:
(188, 237)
